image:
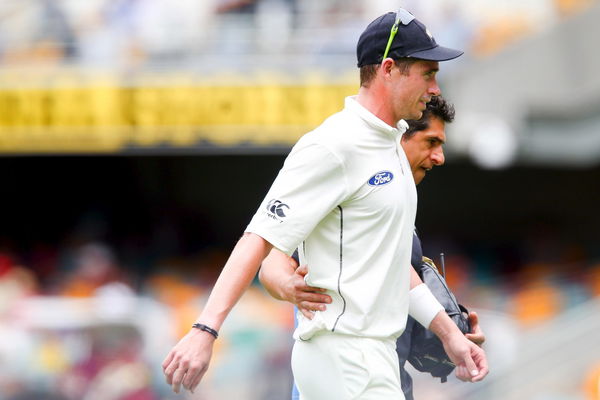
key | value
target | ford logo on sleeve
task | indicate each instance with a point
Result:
(381, 178)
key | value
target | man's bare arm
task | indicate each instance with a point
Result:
(187, 362)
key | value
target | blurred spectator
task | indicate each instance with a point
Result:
(235, 27)
(16, 283)
(169, 32)
(35, 31)
(96, 270)
(537, 299)
(343, 22)
(274, 23)
(55, 31)
(126, 34)
(112, 370)
(106, 33)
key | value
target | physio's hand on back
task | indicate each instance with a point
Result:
(308, 299)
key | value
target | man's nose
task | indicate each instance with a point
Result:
(437, 156)
(434, 89)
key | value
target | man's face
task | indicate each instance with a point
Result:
(424, 149)
(412, 92)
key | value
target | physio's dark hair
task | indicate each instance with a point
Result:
(368, 72)
(438, 107)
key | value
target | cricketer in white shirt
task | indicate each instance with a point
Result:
(347, 199)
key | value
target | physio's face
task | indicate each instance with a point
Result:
(424, 149)
(412, 92)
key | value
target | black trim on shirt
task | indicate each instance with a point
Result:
(341, 266)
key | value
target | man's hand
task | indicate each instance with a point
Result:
(476, 336)
(470, 359)
(308, 299)
(284, 280)
(188, 360)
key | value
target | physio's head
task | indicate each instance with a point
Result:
(423, 141)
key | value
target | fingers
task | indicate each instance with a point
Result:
(300, 284)
(462, 373)
(167, 360)
(307, 308)
(476, 336)
(467, 362)
(302, 270)
(307, 297)
(314, 298)
(470, 360)
(187, 363)
(192, 378)
(481, 360)
(473, 319)
(169, 368)
(310, 306)
(178, 378)
(183, 374)
(474, 368)
(307, 313)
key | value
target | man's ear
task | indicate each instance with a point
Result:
(386, 67)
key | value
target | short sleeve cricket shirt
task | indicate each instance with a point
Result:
(346, 198)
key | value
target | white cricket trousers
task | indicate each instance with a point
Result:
(342, 367)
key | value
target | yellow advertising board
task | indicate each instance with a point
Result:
(106, 116)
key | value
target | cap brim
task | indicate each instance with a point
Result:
(438, 53)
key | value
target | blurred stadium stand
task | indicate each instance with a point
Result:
(137, 138)
(550, 115)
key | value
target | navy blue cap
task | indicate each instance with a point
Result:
(412, 40)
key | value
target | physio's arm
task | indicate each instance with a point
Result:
(470, 360)
(275, 271)
(415, 279)
(282, 278)
(188, 360)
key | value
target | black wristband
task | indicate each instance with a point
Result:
(205, 328)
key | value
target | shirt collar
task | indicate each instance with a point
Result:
(367, 116)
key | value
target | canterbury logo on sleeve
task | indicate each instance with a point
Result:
(276, 209)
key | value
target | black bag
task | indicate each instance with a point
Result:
(427, 352)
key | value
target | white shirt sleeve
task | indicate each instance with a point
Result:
(311, 183)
